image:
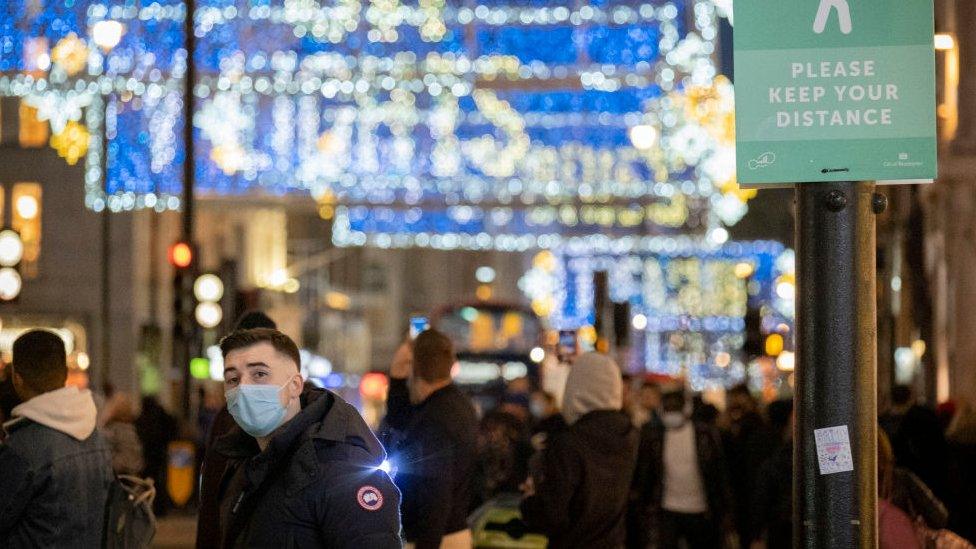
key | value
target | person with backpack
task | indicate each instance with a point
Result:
(55, 468)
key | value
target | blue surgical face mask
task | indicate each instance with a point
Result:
(256, 408)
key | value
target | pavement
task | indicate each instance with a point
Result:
(175, 531)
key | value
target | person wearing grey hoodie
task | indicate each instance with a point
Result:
(578, 496)
(55, 469)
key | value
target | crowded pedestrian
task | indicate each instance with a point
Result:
(545, 414)
(918, 441)
(156, 429)
(302, 476)
(433, 441)
(213, 465)
(961, 436)
(55, 468)
(649, 400)
(747, 443)
(771, 504)
(682, 479)
(895, 527)
(504, 450)
(579, 496)
(903, 489)
(118, 429)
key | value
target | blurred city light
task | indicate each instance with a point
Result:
(639, 322)
(774, 345)
(338, 300)
(10, 284)
(537, 354)
(643, 136)
(208, 287)
(485, 275)
(786, 361)
(208, 314)
(374, 386)
(27, 206)
(180, 255)
(744, 269)
(944, 41)
(11, 248)
(107, 34)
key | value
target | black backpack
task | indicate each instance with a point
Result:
(129, 519)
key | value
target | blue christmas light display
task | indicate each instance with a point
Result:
(688, 302)
(555, 118)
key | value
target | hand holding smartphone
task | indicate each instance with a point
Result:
(568, 346)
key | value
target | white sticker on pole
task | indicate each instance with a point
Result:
(834, 450)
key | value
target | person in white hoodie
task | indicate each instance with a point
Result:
(55, 469)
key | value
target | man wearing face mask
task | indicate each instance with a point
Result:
(681, 480)
(437, 430)
(297, 476)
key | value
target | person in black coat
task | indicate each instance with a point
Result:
(918, 441)
(213, 464)
(578, 496)
(771, 509)
(55, 468)
(297, 477)
(748, 442)
(432, 430)
(681, 482)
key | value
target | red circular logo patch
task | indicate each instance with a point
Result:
(370, 498)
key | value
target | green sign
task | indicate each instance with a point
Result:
(834, 90)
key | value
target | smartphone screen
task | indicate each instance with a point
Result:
(418, 324)
(568, 345)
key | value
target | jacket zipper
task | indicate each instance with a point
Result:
(237, 504)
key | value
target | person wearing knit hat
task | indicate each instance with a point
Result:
(579, 496)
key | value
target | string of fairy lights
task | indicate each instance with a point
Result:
(555, 111)
(600, 130)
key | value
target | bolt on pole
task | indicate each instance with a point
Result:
(835, 480)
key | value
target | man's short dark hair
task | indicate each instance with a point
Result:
(433, 356)
(901, 395)
(242, 339)
(40, 360)
(255, 319)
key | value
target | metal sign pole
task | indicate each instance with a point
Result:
(835, 453)
(183, 344)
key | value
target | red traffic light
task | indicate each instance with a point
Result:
(180, 255)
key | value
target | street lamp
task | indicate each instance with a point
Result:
(11, 252)
(208, 289)
(208, 314)
(11, 248)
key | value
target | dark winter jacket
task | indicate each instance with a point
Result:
(920, 446)
(581, 499)
(434, 448)
(649, 477)
(212, 471)
(54, 483)
(771, 508)
(317, 484)
(747, 445)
